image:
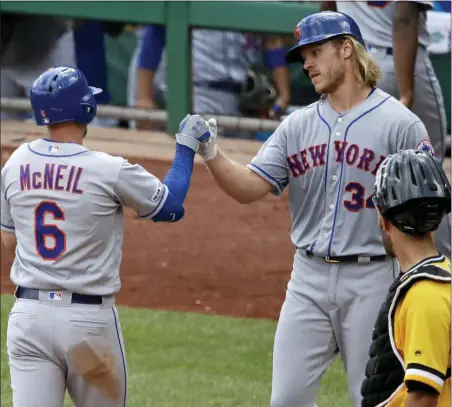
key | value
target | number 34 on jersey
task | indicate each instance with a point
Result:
(345, 153)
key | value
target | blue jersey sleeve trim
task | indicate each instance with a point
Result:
(159, 206)
(9, 228)
(259, 171)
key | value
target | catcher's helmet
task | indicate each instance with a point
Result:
(320, 27)
(62, 94)
(412, 191)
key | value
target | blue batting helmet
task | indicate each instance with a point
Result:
(62, 94)
(320, 27)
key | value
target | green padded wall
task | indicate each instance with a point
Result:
(120, 50)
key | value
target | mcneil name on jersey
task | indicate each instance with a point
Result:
(55, 177)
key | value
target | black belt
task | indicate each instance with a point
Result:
(33, 294)
(343, 259)
(226, 86)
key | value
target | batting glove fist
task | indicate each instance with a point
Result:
(208, 149)
(193, 130)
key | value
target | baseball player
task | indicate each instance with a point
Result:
(410, 354)
(220, 62)
(327, 155)
(62, 212)
(396, 34)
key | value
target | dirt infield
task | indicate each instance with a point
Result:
(222, 258)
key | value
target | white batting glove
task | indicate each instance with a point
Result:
(193, 130)
(208, 149)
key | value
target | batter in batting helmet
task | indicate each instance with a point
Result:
(320, 27)
(62, 94)
(412, 191)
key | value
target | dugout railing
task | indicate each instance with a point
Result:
(180, 17)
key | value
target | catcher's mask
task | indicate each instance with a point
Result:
(412, 191)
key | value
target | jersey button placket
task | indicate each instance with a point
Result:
(331, 191)
(333, 184)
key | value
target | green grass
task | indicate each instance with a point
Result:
(183, 360)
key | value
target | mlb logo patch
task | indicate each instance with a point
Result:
(55, 296)
(53, 149)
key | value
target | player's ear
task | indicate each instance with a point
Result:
(387, 226)
(347, 48)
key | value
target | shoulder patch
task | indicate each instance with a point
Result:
(426, 146)
(158, 192)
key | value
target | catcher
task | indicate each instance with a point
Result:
(409, 362)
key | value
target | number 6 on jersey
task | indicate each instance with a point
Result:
(45, 231)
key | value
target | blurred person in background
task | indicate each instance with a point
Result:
(396, 35)
(132, 80)
(29, 45)
(220, 63)
(89, 38)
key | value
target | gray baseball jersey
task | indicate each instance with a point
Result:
(65, 204)
(374, 18)
(329, 161)
(375, 22)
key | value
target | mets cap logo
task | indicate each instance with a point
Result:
(297, 33)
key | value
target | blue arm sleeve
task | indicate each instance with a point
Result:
(177, 181)
(274, 58)
(152, 46)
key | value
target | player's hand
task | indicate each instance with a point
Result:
(193, 130)
(208, 149)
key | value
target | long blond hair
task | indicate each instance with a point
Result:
(367, 71)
